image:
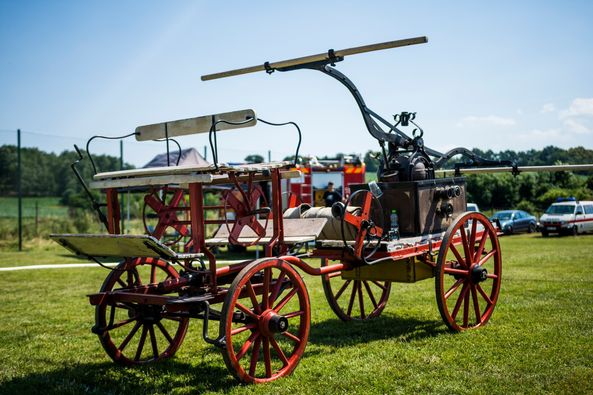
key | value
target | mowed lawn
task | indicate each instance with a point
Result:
(540, 339)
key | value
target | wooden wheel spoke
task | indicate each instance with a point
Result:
(177, 196)
(154, 202)
(254, 336)
(277, 287)
(492, 276)
(453, 288)
(476, 305)
(246, 310)
(473, 234)
(182, 229)
(361, 301)
(159, 230)
(486, 297)
(155, 349)
(120, 282)
(459, 301)
(241, 329)
(267, 357)
(352, 296)
(291, 336)
(279, 351)
(141, 343)
(254, 357)
(130, 336)
(285, 300)
(371, 296)
(480, 249)
(378, 284)
(121, 323)
(253, 297)
(458, 272)
(293, 314)
(164, 332)
(466, 308)
(342, 289)
(460, 260)
(466, 246)
(486, 257)
(266, 290)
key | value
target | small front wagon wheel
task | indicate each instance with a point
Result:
(133, 333)
(265, 321)
(468, 272)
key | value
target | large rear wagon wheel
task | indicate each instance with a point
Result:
(266, 318)
(468, 272)
(357, 300)
(133, 333)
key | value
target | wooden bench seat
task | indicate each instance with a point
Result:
(296, 231)
(178, 177)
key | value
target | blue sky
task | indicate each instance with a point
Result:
(498, 75)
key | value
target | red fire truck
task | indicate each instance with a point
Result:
(317, 173)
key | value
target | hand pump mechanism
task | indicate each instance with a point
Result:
(404, 158)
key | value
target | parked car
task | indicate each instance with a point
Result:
(568, 216)
(515, 221)
(473, 207)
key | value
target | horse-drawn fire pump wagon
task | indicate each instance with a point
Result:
(144, 306)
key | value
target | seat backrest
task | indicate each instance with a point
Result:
(203, 124)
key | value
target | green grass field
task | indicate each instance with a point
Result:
(540, 339)
(47, 207)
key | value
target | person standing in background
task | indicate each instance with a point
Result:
(331, 196)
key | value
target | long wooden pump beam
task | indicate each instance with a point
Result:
(322, 57)
(520, 169)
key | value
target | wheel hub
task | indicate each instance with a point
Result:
(479, 274)
(273, 323)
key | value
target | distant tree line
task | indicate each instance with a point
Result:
(49, 174)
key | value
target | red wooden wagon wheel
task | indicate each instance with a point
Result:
(357, 300)
(244, 205)
(265, 320)
(161, 214)
(468, 272)
(134, 333)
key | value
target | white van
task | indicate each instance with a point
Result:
(568, 216)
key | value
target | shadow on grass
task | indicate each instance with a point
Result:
(109, 378)
(171, 375)
(335, 332)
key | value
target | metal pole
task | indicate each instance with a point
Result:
(121, 195)
(269, 155)
(205, 152)
(19, 190)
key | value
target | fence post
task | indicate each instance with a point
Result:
(19, 190)
(121, 195)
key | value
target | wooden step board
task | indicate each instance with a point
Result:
(108, 245)
(296, 231)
